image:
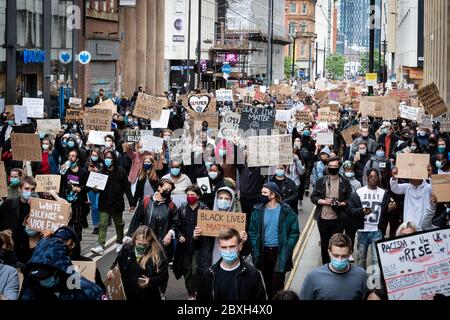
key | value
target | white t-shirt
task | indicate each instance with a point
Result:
(371, 199)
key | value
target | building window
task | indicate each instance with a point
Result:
(304, 8)
(293, 7)
(303, 49)
(291, 27)
(303, 27)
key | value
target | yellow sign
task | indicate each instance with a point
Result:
(371, 79)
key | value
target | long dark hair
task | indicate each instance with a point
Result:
(114, 158)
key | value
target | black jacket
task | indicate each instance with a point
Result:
(131, 271)
(111, 199)
(249, 284)
(289, 194)
(140, 187)
(345, 191)
(250, 182)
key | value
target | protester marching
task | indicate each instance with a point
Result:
(215, 192)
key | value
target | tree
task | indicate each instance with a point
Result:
(335, 66)
(288, 67)
(364, 60)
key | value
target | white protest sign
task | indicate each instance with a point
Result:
(97, 180)
(266, 151)
(75, 102)
(283, 115)
(48, 126)
(20, 115)
(229, 127)
(409, 113)
(224, 95)
(152, 144)
(163, 121)
(204, 185)
(416, 267)
(98, 137)
(325, 138)
(35, 107)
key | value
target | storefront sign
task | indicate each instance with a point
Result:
(33, 56)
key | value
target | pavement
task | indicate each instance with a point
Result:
(176, 289)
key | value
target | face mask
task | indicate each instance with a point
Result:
(140, 249)
(403, 124)
(166, 138)
(213, 175)
(49, 282)
(384, 131)
(31, 232)
(45, 147)
(191, 199)
(136, 124)
(421, 134)
(380, 154)
(441, 149)
(147, 166)
(14, 181)
(222, 152)
(108, 163)
(413, 148)
(108, 144)
(297, 145)
(229, 256)
(26, 195)
(208, 164)
(363, 152)
(64, 143)
(350, 174)
(279, 173)
(264, 199)
(10, 122)
(306, 133)
(71, 144)
(439, 164)
(333, 171)
(223, 204)
(41, 135)
(175, 171)
(94, 158)
(339, 264)
(166, 194)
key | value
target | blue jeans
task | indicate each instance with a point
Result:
(93, 198)
(366, 239)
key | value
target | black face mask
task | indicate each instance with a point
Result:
(333, 171)
(166, 194)
(264, 199)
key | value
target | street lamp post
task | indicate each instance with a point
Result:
(384, 66)
(293, 56)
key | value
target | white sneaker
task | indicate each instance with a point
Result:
(98, 250)
(163, 296)
(191, 298)
(119, 247)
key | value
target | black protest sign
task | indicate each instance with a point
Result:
(257, 119)
(133, 136)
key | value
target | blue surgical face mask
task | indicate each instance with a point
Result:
(340, 264)
(26, 195)
(279, 173)
(421, 133)
(41, 135)
(14, 181)
(384, 131)
(94, 158)
(223, 204)
(208, 164)
(71, 144)
(380, 154)
(50, 282)
(31, 232)
(108, 162)
(175, 171)
(64, 143)
(229, 256)
(213, 175)
(439, 164)
(306, 133)
(350, 174)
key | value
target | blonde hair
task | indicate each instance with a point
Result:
(155, 252)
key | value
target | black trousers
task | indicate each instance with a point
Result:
(326, 230)
(247, 205)
(274, 281)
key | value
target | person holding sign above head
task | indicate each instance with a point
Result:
(186, 258)
(13, 183)
(111, 202)
(13, 213)
(417, 197)
(231, 278)
(143, 266)
(158, 212)
(273, 232)
(49, 163)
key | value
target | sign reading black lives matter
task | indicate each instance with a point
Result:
(264, 151)
(416, 267)
(258, 120)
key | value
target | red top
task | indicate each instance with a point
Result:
(45, 165)
(387, 143)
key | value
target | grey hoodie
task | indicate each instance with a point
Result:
(233, 197)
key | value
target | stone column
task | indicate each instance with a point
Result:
(160, 65)
(141, 43)
(151, 45)
(128, 57)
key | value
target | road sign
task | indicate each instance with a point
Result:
(65, 57)
(301, 73)
(84, 57)
(371, 79)
(226, 68)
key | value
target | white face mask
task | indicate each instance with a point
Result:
(108, 144)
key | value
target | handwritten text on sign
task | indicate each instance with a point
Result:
(149, 107)
(416, 267)
(97, 119)
(212, 222)
(48, 215)
(48, 182)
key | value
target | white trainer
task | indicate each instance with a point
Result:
(119, 247)
(98, 250)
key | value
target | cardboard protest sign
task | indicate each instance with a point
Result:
(259, 96)
(20, 115)
(280, 127)
(97, 180)
(48, 182)
(412, 165)
(133, 135)
(108, 105)
(204, 185)
(180, 149)
(224, 95)
(149, 107)
(229, 127)
(9, 109)
(114, 287)
(329, 116)
(389, 108)
(402, 94)
(441, 187)
(212, 222)
(48, 126)
(320, 85)
(425, 120)
(86, 269)
(98, 137)
(48, 214)
(75, 103)
(445, 124)
(152, 144)
(320, 95)
(409, 113)
(283, 115)
(264, 151)
(303, 116)
(199, 103)
(257, 119)
(432, 101)
(3, 183)
(26, 147)
(325, 138)
(348, 133)
(97, 119)
(367, 108)
(335, 94)
(416, 267)
(35, 107)
(163, 122)
(74, 115)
